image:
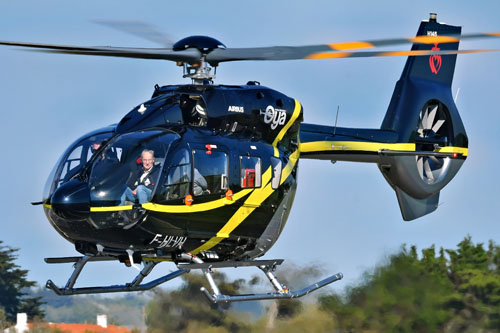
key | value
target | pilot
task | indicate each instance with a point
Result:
(144, 182)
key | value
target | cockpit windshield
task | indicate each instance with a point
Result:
(73, 160)
(127, 170)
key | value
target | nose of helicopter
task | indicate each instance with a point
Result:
(72, 200)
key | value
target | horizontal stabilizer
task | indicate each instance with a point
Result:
(412, 208)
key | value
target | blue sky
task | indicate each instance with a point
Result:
(345, 217)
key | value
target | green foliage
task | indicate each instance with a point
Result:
(311, 319)
(3, 320)
(13, 280)
(187, 309)
(459, 291)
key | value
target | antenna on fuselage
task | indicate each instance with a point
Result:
(336, 118)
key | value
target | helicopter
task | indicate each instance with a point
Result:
(245, 142)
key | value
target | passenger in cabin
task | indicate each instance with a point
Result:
(95, 146)
(200, 185)
(144, 181)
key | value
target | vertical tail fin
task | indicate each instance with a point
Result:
(422, 111)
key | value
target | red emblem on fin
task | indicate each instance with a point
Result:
(435, 60)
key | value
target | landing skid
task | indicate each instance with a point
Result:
(186, 263)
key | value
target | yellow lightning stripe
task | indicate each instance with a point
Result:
(253, 202)
(178, 208)
(281, 134)
(259, 195)
(351, 46)
(353, 146)
(295, 115)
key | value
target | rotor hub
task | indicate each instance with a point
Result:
(204, 44)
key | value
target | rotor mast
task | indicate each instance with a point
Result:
(199, 73)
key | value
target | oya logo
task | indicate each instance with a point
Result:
(435, 60)
(274, 116)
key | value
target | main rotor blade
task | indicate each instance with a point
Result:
(410, 40)
(316, 52)
(139, 29)
(328, 50)
(189, 55)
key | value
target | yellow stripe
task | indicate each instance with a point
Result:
(353, 146)
(196, 207)
(317, 146)
(451, 149)
(111, 208)
(47, 206)
(351, 46)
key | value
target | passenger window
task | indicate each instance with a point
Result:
(250, 172)
(210, 172)
(178, 176)
(276, 164)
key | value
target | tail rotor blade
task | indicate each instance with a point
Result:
(428, 171)
(420, 166)
(430, 119)
(437, 125)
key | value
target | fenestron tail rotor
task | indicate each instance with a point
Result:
(433, 132)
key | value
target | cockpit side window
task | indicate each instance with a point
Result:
(178, 179)
(127, 170)
(210, 172)
(250, 172)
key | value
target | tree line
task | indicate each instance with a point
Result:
(445, 290)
